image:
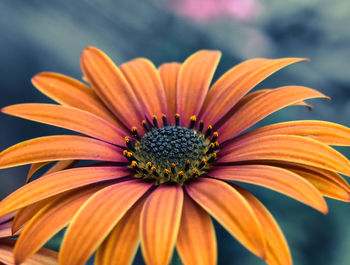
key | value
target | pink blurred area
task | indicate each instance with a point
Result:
(204, 10)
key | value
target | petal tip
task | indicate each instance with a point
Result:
(215, 53)
(36, 78)
(88, 50)
(300, 59)
(324, 209)
(4, 109)
(42, 76)
(293, 59)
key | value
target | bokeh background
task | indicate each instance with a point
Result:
(41, 35)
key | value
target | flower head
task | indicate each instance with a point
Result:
(167, 148)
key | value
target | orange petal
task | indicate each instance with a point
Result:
(329, 183)
(231, 210)
(59, 147)
(34, 168)
(328, 187)
(277, 247)
(49, 220)
(224, 87)
(119, 248)
(70, 92)
(96, 219)
(246, 99)
(260, 92)
(160, 221)
(323, 131)
(262, 106)
(147, 86)
(43, 257)
(237, 82)
(111, 86)
(242, 102)
(58, 182)
(169, 73)
(196, 242)
(193, 82)
(287, 148)
(274, 178)
(69, 118)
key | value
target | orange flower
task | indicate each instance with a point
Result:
(43, 256)
(168, 148)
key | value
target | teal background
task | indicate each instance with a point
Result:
(50, 35)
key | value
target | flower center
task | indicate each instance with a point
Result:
(172, 153)
(171, 144)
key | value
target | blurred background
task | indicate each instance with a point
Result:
(50, 35)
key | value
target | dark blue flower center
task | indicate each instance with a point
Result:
(172, 144)
(171, 153)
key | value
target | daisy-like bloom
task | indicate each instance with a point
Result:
(43, 256)
(165, 150)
